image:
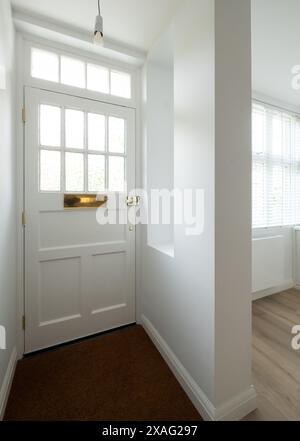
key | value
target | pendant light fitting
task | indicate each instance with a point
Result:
(98, 33)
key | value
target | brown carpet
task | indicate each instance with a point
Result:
(116, 377)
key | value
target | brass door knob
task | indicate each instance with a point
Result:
(133, 201)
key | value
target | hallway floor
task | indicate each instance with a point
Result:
(120, 376)
(276, 366)
(117, 376)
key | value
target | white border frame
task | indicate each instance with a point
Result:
(24, 42)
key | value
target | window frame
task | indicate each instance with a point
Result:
(271, 161)
(85, 151)
(93, 59)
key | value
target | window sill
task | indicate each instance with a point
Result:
(166, 248)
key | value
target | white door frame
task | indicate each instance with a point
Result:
(21, 82)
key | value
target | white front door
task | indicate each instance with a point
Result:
(79, 275)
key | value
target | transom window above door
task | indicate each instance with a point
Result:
(75, 72)
(81, 151)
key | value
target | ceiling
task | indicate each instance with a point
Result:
(134, 23)
(137, 23)
(276, 48)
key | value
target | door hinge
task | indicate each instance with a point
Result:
(23, 323)
(24, 115)
(23, 219)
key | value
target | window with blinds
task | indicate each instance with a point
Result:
(276, 167)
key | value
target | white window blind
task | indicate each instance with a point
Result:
(276, 167)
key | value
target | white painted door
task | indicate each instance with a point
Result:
(79, 275)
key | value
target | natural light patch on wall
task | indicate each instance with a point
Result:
(70, 71)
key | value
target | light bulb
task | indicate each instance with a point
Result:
(98, 33)
(98, 38)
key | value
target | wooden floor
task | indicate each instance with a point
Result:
(276, 366)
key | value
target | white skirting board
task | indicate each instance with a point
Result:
(233, 410)
(289, 284)
(7, 382)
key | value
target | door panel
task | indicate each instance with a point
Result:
(57, 230)
(79, 275)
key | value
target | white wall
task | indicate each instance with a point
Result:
(178, 293)
(160, 133)
(7, 185)
(199, 303)
(233, 157)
